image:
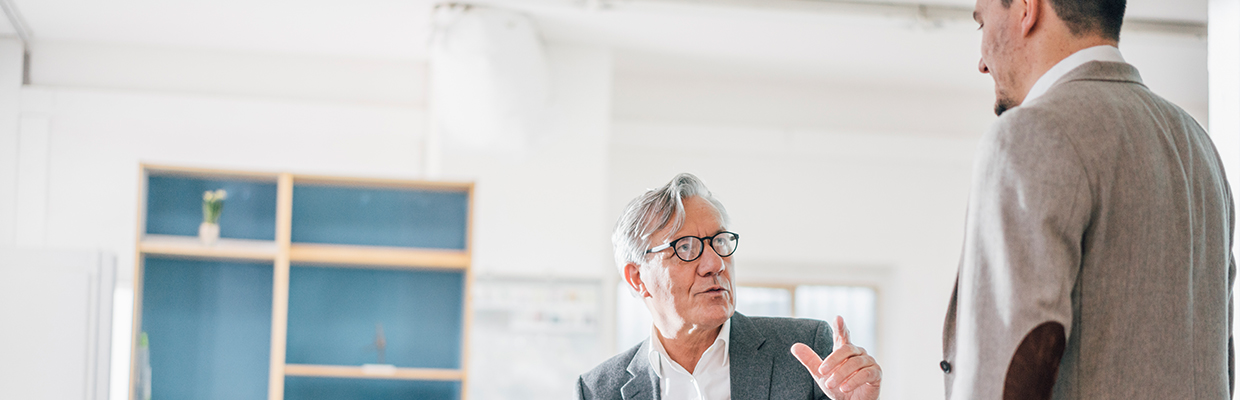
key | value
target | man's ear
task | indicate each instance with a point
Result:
(633, 276)
(1032, 15)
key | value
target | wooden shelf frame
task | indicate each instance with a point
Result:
(368, 256)
(279, 291)
(341, 371)
(225, 248)
(189, 172)
(282, 252)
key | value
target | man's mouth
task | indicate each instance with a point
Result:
(714, 289)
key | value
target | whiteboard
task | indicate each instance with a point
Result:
(531, 338)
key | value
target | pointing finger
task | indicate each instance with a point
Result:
(808, 358)
(841, 332)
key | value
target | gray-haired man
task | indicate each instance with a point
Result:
(699, 347)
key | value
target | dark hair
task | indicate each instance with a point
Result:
(1101, 17)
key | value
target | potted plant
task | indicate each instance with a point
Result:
(212, 204)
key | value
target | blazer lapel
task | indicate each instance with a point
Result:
(643, 382)
(750, 366)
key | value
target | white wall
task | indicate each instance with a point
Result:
(96, 140)
(831, 181)
(774, 102)
(10, 100)
(229, 73)
(1224, 66)
(542, 207)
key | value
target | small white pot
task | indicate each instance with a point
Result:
(208, 233)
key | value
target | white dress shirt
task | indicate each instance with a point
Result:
(711, 378)
(1097, 53)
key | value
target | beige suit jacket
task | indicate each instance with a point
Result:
(1102, 207)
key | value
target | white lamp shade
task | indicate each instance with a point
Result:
(488, 77)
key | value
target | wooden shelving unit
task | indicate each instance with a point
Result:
(189, 246)
(278, 248)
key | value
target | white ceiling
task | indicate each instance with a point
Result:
(787, 39)
(354, 28)
(399, 28)
(6, 28)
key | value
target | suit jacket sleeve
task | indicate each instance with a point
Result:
(1029, 207)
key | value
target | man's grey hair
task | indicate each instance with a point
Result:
(654, 210)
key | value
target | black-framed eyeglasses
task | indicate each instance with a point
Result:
(689, 248)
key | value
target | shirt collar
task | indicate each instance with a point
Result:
(657, 353)
(1097, 53)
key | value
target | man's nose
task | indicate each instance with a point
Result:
(981, 66)
(709, 263)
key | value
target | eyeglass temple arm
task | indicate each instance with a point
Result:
(658, 248)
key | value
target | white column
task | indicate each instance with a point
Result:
(1224, 67)
(541, 212)
(33, 164)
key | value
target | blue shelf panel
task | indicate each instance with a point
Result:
(334, 312)
(174, 207)
(209, 325)
(368, 216)
(314, 388)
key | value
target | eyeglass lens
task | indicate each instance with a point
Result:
(689, 248)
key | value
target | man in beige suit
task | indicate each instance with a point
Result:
(1097, 260)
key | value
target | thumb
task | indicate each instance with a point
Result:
(841, 332)
(808, 358)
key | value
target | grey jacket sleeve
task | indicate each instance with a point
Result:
(1029, 208)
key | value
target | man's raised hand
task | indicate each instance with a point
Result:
(848, 373)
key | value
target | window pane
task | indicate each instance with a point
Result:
(857, 304)
(763, 302)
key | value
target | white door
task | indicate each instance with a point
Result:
(55, 323)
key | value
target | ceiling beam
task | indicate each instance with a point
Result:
(15, 18)
(23, 33)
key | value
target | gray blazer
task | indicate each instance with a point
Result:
(1102, 207)
(759, 353)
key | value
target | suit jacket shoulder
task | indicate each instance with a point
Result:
(606, 379)
(761, 363)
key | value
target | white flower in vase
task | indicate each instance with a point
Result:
(212, 205)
